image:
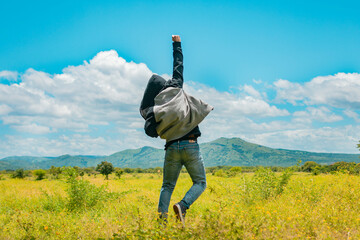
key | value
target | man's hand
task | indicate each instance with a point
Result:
(176, 38)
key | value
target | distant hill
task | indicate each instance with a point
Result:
(235, 151)
(223, 151)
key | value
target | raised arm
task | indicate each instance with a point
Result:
(178, 67)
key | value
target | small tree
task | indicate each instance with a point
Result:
(19, 173)
(39, 173)
(119, 172)
(105, 168)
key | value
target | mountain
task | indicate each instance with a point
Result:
(223, 151)
(145, 157)
(26, 162)
(237, 152)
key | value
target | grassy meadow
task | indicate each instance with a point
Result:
(244, 206)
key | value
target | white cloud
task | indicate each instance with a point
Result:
(5, 109)
(339, 90)
(321, 114)
(33, 128)
(235, 105)
(43, 146)
(252, 91)
(325, 139)
(9, 75)
(257, 81)
(93, 109)
(106, 89)
(352, 114)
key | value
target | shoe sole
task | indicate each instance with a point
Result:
(179, 215)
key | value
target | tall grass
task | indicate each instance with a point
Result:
(262, 205)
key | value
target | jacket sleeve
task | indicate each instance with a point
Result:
(150, 123)
(178, 67)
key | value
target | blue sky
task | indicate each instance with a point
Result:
(279, 73)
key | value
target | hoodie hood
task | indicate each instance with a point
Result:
(153, 88)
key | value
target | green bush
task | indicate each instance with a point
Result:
(309, 166)
(55, 172)
(265, 184)
(316, 170)
(83, 195)
(39, 173)
(71, 172)
(19, 173)
(236, 169)
(220, 173)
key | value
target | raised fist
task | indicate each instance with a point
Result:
(176, 38)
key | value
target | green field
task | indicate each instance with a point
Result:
(309, 207)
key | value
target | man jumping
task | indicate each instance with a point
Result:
(174, 115)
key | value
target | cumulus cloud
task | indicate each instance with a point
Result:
(106, 89)
(92, 108)
(339, 90)
(9, 75)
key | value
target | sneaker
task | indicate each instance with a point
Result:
(180, 211)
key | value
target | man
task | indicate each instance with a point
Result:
(174, 115)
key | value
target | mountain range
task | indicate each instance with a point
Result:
(223, 151)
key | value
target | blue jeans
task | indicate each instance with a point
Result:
(187, 153)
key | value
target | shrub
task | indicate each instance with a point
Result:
(316, 170)
(309, 166)
(39, 173)
(264, 184)
(83, 195)
(19, 173)
(220, 173)
(55, 171)
(236, 169)
(71, 172)
(284, 180)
